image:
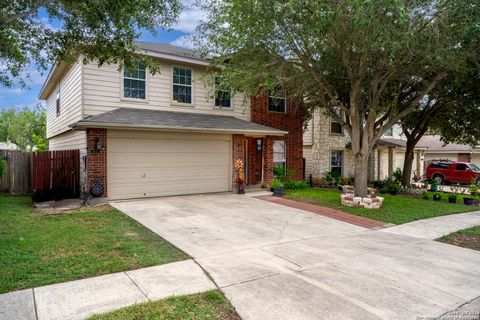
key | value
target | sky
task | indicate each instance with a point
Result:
(188, 20)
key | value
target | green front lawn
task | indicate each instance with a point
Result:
(38, 249)
(467, 238)
(396, 209)
(211, 305)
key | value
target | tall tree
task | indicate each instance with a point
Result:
(451, 110)
(25, 128)
(375, 60)
(104, 30)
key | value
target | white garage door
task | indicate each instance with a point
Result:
(150, 164)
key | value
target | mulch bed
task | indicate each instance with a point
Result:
(471, 241)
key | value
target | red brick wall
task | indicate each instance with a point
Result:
(291, 121)
(238, 153)
(97, 160)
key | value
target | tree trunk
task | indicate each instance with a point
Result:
(407, 164)
(361, 175)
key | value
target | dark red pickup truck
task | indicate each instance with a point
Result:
(453, 172)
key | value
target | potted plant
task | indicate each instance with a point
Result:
(277, 187)
(240, 180)
(437, 196)
(470, 201)
(456, 189)
(434, 185)
(452, 198)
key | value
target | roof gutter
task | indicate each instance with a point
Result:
(86, 124)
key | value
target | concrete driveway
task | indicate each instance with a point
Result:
(275, 262)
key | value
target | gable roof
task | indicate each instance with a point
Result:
(434, 144)
(169, 49)
(133, 118)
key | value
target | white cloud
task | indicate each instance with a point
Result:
(190, 18)
(183, 41)
(12, 91)
(36, 77)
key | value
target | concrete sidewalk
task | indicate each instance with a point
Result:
(435, 228)
(80, 299)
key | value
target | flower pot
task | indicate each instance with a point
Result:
(240, 188)
(437, 197)
(452, 200)
(278, 192)
(435, 188)
(469, 201)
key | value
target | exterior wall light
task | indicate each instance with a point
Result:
(259, 145)
(98, 145)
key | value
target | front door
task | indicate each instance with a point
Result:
(245, 163)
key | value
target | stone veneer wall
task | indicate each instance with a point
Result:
(324, 143)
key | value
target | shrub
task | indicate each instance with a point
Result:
(295, 185)
(474, 190)
(390, 186)
(350, 180)
(277, 184)
(379, 184)
(397, 175)
(2, 166)
(332, 178)
(279, 171)
(425, 195)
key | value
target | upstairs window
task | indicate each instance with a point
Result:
(222, 96)
(134, 81)
(389, 132)
(277, 101)
(182, 85)
(57, 99)
(336, 127)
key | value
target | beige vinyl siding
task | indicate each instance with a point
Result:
(70, 102)
(475, 159)
(69, 141)
(103, 92)
(307, 154)
(307, 134)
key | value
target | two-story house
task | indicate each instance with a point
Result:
(143, 135)
(326, 149)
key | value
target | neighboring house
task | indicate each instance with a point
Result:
(326, 149)
(437, 150)
(8, 146)
(144, 135)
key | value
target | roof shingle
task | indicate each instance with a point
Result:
(172, 120)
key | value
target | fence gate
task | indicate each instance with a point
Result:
(16, 176)
(55, 175)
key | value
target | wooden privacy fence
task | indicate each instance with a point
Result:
(16, 176)
(55, 175)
